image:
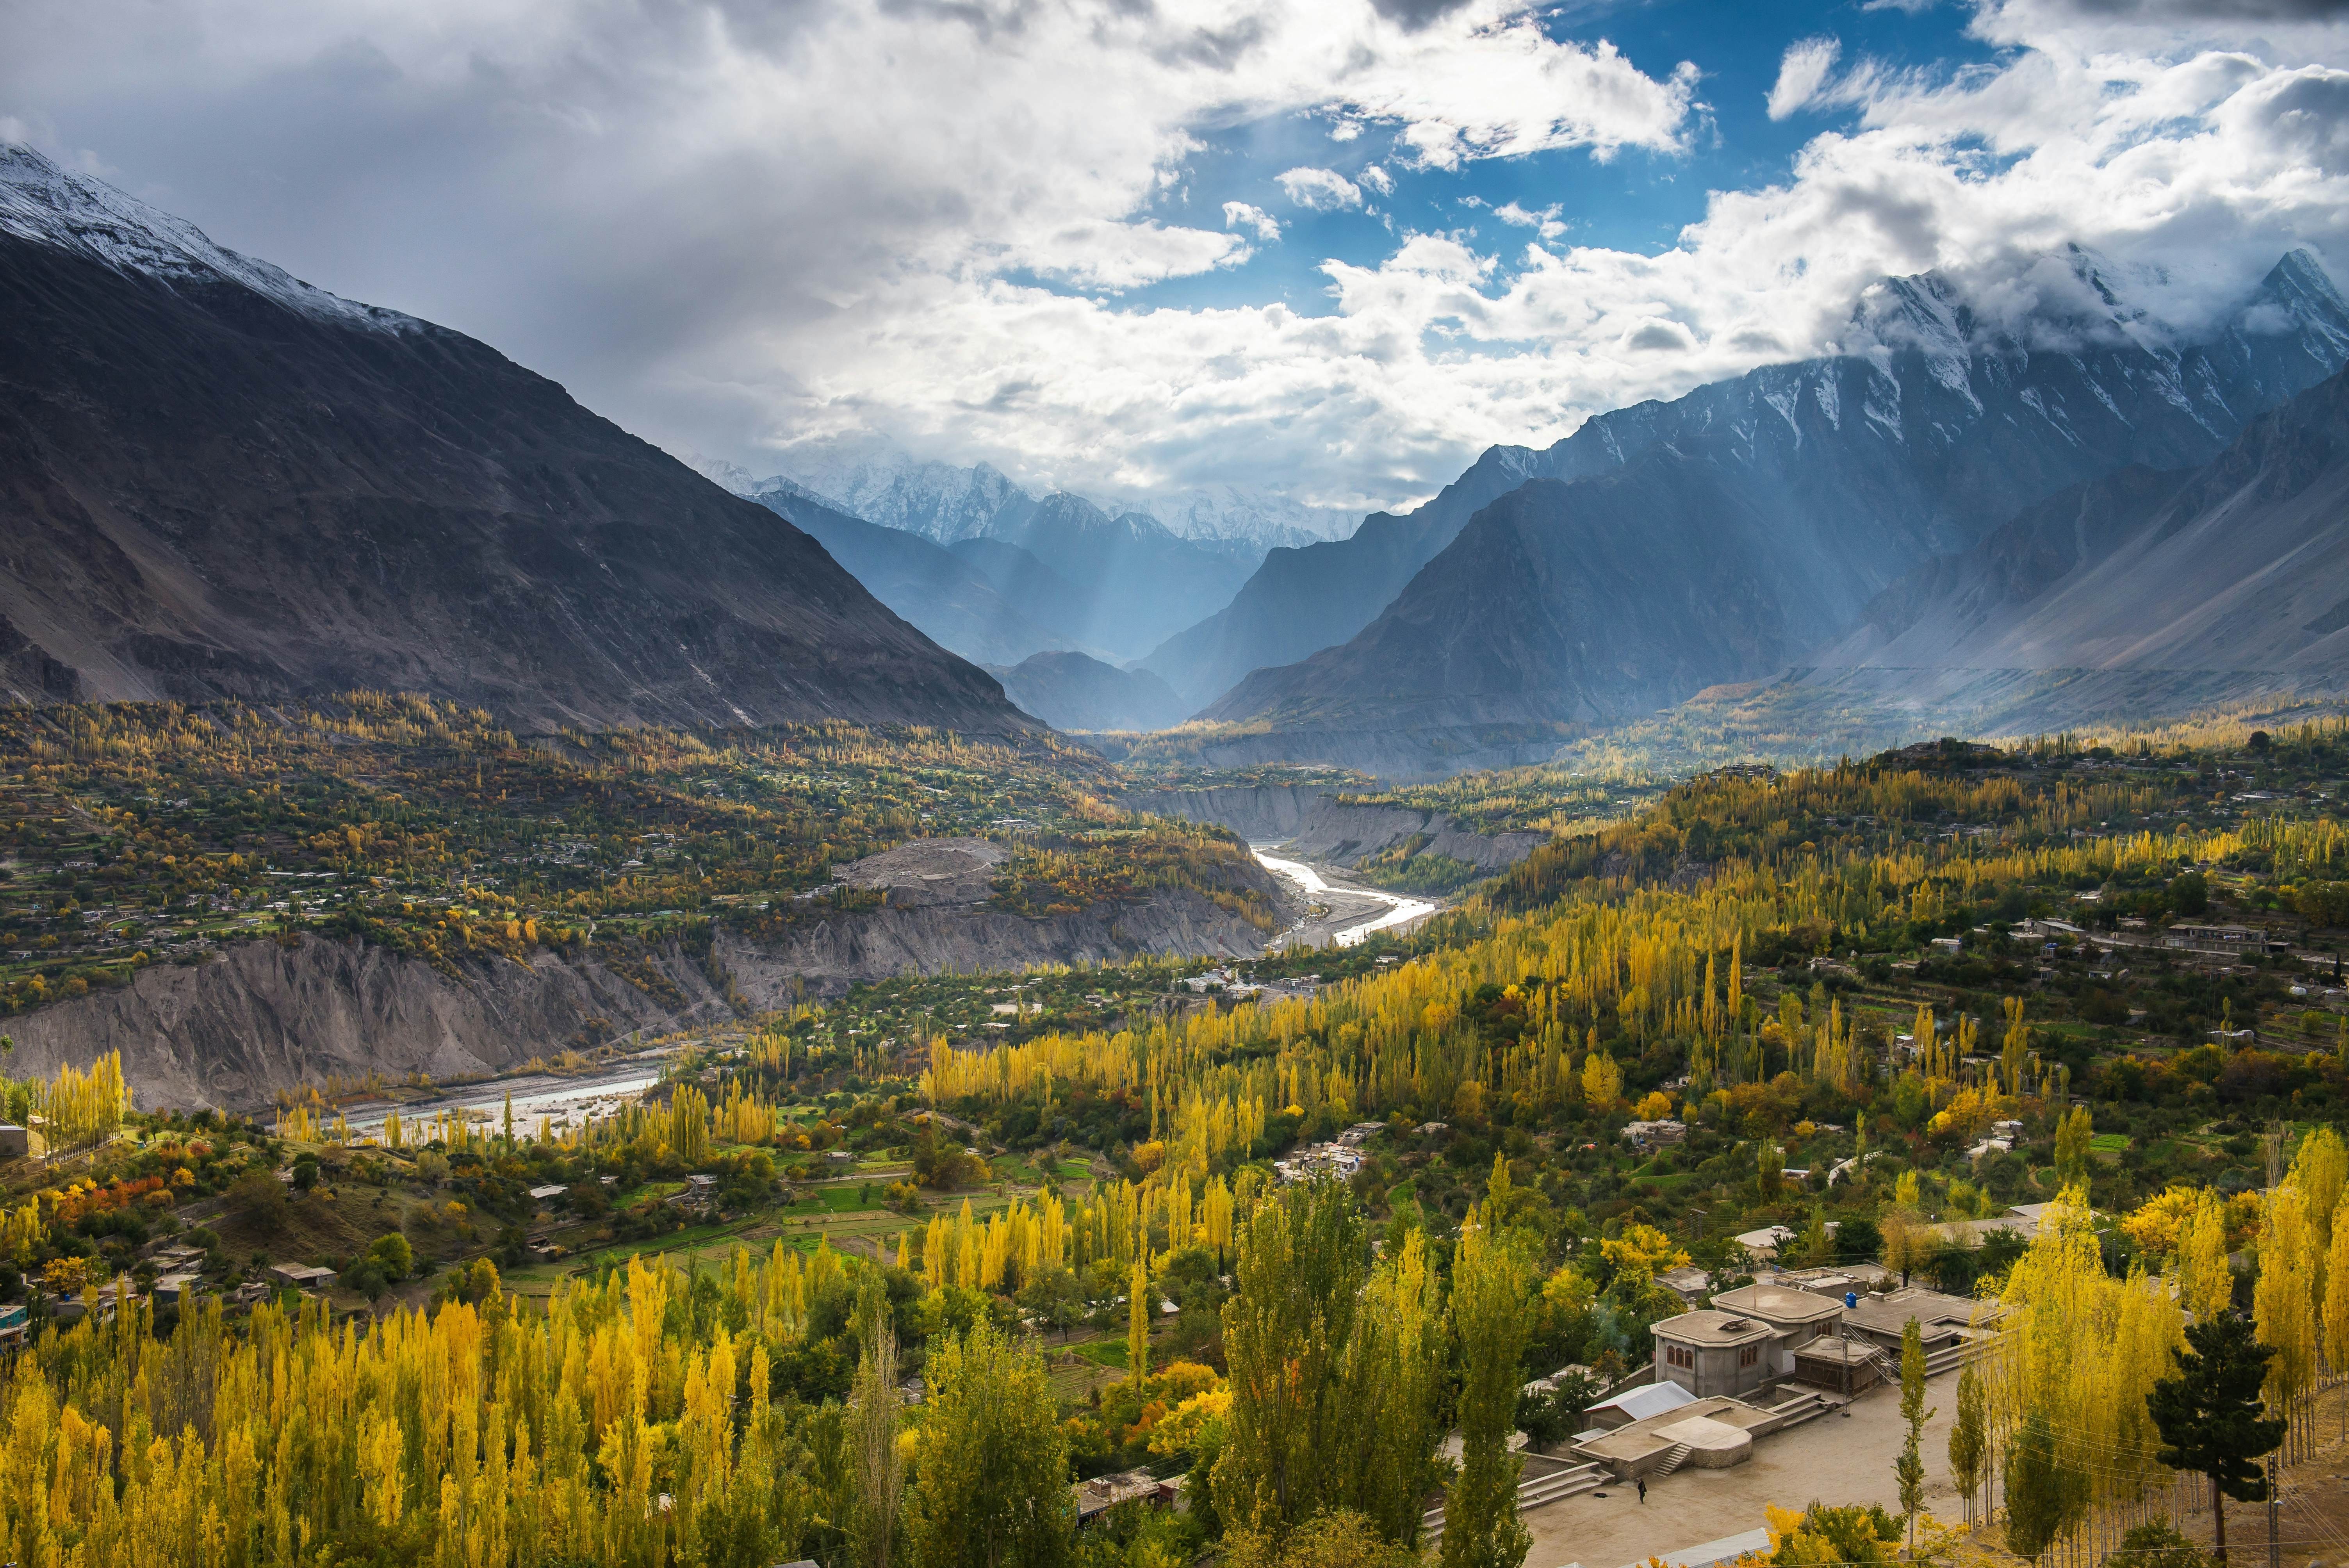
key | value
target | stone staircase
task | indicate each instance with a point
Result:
(1671, 1462)
(1572, 1481)
(1808, 1405)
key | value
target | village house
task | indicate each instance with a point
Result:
(1710, 1353)
(2227, 941)
(300, 1276)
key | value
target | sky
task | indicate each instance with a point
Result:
(1326, 250)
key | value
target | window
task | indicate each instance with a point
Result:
(1750, 1355)
(1680, 1355)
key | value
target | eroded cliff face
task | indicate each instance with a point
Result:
(266, 1016)
(1317, 826)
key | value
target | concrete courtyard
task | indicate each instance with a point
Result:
(1835, 1459)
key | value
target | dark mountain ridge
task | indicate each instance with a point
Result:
(1720, 537)
(1935, 429)
(219, 482)
(1071, 691)
(2232, 579)
(955, 602)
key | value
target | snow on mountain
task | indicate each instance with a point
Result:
(937, 500)
(944, 502)
(1670, 546)
(718, 471)
(42, 202)
(1255, 517)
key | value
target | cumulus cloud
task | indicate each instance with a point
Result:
(1377, 179)
(1255, 219)
(739, 226)
(1522, 92)
(1320, 190)
(1546, 220)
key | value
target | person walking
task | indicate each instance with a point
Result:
(1643, 1492)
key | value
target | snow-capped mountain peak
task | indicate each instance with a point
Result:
(41, 202)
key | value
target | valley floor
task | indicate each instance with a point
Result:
(1341, 911)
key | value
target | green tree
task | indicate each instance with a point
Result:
(2189, 891)
(2156, 1543)
(1393, 1366)
(2043, 1492)
(393, 1256)
(873, 1433)
(1298, 1286)
(1770, 1170)
(1969, 1442)
(1338, 1539)
(262, 1197)
(1814, 1246)
(1056, 1299)
(992, 1488)
(1489, 1318)
(1910, 1468)
(2209, 1414)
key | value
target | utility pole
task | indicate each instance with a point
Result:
(2275, 1548)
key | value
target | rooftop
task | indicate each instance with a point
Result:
(1708, 1327)
(1778, 1305)
(1890, 1314)
(1647, 1401)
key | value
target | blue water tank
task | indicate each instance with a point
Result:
(1851, 1298)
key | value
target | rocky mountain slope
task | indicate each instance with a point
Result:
(268, 1017)
(1135, 582)
(1720, 537)
(1069, 691)
(951, 599)
(2144, 587)
(218, 481)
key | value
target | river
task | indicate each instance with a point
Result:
(567, 1103)
(1399, 909)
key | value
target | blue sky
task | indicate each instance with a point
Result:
(997, 230)
(1637, 200)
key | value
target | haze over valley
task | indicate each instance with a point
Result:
(1371, 784)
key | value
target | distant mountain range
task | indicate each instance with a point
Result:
(989, 616)
(1726, 534)
(944, 502)
(219, 481)
(1115, 584)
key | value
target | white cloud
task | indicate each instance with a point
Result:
(1263, 224)
(1378, 179)
(1320, 190)
(1117, 257)
(1802, 72)
(1545, 220)
(1519, 92)
(740, 225)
